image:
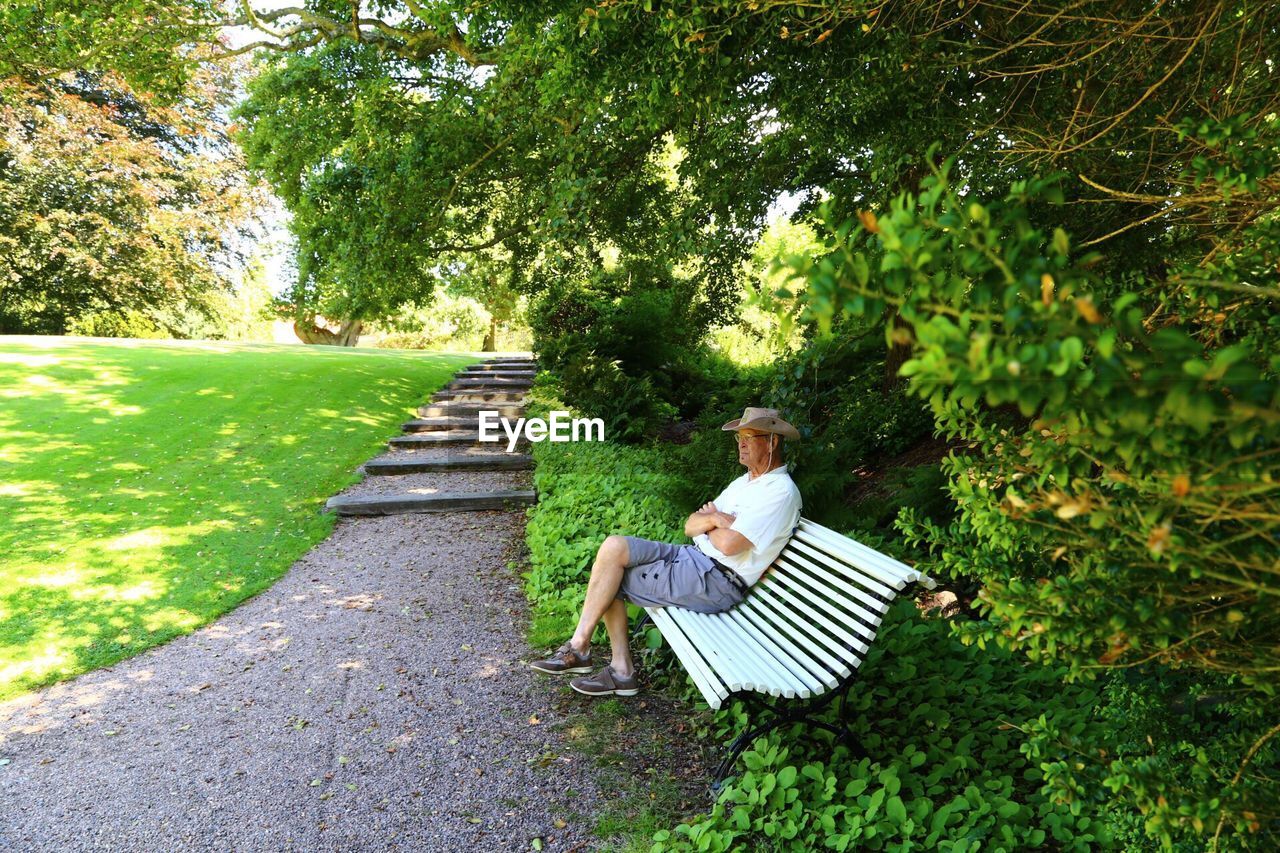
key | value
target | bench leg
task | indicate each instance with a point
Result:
(736, 748)
(642, 621)
(805, 714)
(744, 740)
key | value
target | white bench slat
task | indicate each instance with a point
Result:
(835, 630)
(866, 587)
(731, 669)
(754, 672)
(874, 577)
(803, 628)
(817, 673)
(869, 563)
(780, 679)
(811, 575)
(887, 563)
(837, 574)
(844, 622)
(803, 684)
(830, 667)
(710, 686)
(761, 672)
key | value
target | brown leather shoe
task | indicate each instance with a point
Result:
(564, 660)
(606, 682)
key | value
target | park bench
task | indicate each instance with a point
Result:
(800, 633)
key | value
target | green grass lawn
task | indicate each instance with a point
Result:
(147, 487)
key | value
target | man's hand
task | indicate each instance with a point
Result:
(707, 519)
(723, 519)
(716, 525)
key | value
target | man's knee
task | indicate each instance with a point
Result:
(615, 550)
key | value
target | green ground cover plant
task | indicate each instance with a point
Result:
(945, 766)
(149, 487)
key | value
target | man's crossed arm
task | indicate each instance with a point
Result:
(716, 524)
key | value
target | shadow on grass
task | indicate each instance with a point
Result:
(145, 489)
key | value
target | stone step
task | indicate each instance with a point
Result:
(470, 410)
(449, 438)
(442, 423)
(489, 382)
(507, 362)
(480, 395)
(470, 373)
(439, 502)
(458, 462)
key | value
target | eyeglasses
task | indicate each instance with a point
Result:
(744, 437)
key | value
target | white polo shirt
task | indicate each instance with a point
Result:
(767, 510)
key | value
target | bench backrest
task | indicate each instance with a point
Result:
(804, 626)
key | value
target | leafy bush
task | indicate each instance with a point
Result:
(629, 406)
(920, 488)
(115, 324)
(1124, 518)
(625, 343)
(447, 320)
(833, 390)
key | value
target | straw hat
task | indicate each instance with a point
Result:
(766, 420)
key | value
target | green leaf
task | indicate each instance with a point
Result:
(895, 810)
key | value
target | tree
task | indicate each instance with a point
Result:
(494, 279)
(155, 47)
(111, 204)
(391, 157)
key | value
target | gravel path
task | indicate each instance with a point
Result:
(373, 699)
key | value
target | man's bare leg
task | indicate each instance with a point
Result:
(615, 622)
(602, 591)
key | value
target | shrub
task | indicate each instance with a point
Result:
(920, 488)
(625, 343)
(1125, 518)
(833, 390)
(121, 324)
(447, 321)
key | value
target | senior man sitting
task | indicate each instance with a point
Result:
(735, 538)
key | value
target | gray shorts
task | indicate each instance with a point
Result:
(660, 574)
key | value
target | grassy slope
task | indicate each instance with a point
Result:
(146, 487)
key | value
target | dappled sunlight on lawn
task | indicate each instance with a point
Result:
(36, 666)
(149, 486)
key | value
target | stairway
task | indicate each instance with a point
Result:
(438, 464)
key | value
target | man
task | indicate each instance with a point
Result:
(735, 538)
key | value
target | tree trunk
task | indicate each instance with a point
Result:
(491, 337)
(310, 333)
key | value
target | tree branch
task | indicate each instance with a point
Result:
(407, 43)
